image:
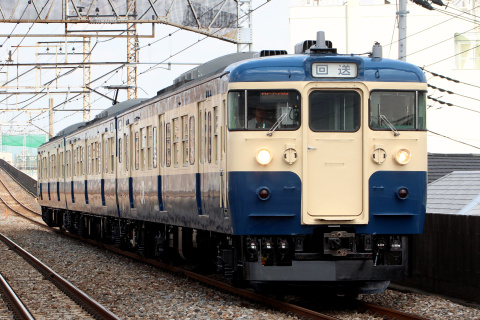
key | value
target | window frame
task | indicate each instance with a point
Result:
(343, 90)
(246, 107)
(417, 108)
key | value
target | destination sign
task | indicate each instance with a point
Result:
(334, 70)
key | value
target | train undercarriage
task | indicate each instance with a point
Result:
(337, 260)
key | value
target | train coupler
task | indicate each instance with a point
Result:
(339, 243)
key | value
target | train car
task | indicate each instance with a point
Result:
(306, 170)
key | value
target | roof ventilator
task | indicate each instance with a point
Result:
(268, 53)
(310, 46)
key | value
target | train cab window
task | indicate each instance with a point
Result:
(334, 111)
(264, 110)
(397, 110)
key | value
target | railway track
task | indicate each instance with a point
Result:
(58, 297)
(12, 302)
(306, 313)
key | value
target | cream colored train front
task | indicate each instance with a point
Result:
(341, 166)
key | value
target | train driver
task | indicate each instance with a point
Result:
(260, 119)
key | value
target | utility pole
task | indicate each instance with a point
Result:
(402, 30)
(132, 52)
(50, 118)
(244, 26)
(86, 79)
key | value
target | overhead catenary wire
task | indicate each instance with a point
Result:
(451, 104)
(426, 29)
(451, 92)
(448, 78)
(458, 141)
(433, 45)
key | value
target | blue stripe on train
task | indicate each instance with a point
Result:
(281, 213)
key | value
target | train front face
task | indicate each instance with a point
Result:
(326, 168)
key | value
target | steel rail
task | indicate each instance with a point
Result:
(16, 181)
(90, 305)
(13, 301)
(14, 198)
(387, 313)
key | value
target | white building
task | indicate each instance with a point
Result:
(436, 40)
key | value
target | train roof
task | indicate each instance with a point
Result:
(298, 68)
(117, 108)
(271, 65)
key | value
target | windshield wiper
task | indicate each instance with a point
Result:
(395, 132)
(276, 124)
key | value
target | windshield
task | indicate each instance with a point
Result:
(334, 111)
(402, 110)
(261, 109)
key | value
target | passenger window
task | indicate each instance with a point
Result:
(111, 141)
(149, 147)
(127, 150)
(176, 141)
(191, 142)
(105, 149)
(155, 147)
(143, 146)
(99, 157)
(168, 155)
(334, 111)
(185, 140)
(137, 150)
(209, 137)
(120, 154)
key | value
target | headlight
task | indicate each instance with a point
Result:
(264, 157)
(402, 156)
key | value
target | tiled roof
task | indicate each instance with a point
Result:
(440, 164)
(455, 193)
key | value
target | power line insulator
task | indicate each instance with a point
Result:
(423, 3)
(438, 2)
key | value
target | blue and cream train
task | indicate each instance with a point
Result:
(326, 194)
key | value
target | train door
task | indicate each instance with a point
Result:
(333, 172)
(132, 141)
(222, 153)
(103, 166)
(70, 172)
(61, 175)
(201, 140)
